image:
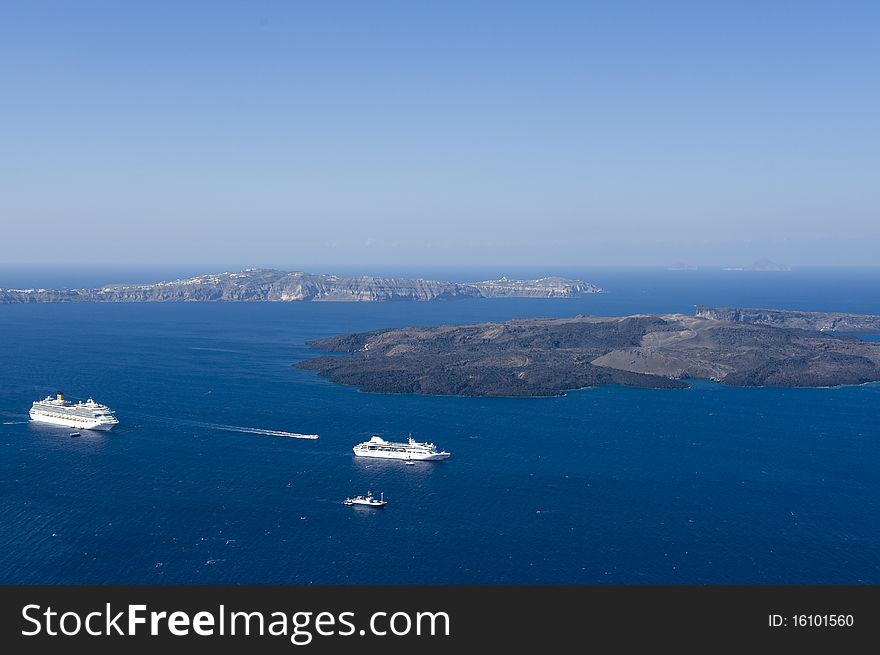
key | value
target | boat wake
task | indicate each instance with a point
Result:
(269, 433)
(230, 428)
(15, 422)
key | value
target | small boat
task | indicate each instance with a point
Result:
(409, 461)
(73, 434)
(367, 501)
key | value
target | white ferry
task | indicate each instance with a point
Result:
(87, 415)
(411, 450)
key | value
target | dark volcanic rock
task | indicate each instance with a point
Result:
(822, 321)
(540, 357)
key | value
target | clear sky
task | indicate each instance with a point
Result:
(320, 134)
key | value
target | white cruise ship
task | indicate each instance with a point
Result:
(87, 415)
(411, 450)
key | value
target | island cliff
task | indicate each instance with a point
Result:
(261, 285)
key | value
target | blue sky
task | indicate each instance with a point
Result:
(321, 134)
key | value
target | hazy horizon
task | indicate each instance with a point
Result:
(400, 136)
(81, 276)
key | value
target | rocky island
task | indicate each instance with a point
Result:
(542, 357)
(822, 321)
(266, 285)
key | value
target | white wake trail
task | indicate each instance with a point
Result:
(270, 433)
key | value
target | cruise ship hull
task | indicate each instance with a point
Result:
(416, 457)
(72, 422)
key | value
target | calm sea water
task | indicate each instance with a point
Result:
(611, 485)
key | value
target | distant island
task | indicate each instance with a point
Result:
(544, 357)
(762, 265)
(266, 285)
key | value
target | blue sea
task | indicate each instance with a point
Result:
(610, 485)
